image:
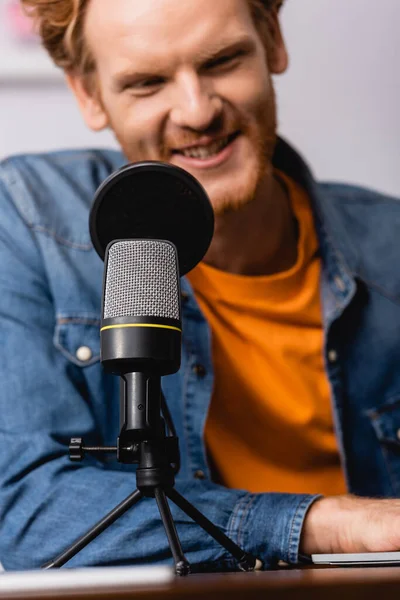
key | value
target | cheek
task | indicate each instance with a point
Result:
(249, 92)
(139, 123)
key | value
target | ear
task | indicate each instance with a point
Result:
(278, 58)
(89, 102)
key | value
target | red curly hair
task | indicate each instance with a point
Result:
(60, 24)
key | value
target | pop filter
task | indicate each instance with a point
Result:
(153, 200)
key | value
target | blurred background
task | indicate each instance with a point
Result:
(338, 103)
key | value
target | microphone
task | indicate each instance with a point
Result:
(151, 222)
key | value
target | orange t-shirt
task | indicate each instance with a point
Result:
(270, 425)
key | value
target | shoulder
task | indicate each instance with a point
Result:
(350, 196)
(358, 211)
(363, 224)
(53, 192)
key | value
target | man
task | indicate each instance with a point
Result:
(295, 304)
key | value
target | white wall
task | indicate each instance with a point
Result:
(339, 102)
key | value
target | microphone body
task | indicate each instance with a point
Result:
(140, 336)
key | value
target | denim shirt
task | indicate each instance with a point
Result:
(50, 298)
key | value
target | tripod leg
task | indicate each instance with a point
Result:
(182, 566)
(247, 562)
(90, 535)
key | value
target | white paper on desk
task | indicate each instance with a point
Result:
(69, 579)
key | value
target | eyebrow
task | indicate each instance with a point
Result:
(125, 77)
(227, 46)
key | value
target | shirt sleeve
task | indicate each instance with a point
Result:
(47, 502)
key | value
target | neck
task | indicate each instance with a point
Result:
(259, 238)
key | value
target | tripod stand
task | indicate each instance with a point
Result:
(155, 478)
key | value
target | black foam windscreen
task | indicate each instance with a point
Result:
(153, 200)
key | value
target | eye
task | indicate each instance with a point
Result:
(225, 60)
(145, 87)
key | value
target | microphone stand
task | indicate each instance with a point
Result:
(157, 457)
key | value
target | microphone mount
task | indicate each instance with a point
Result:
(155, 478)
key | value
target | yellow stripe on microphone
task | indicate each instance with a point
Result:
(141, 325)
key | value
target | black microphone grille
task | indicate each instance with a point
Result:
(141, 279)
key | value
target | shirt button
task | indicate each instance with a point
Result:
(339, 283)
(199, 474)
(84, 353)
(332, 356)
(185, 297)
(398, 434)
(200, 370)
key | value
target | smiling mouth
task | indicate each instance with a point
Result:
(207, 151)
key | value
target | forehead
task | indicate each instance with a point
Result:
(164, 30)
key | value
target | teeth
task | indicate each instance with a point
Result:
(206, 151)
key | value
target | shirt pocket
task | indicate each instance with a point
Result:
(77, 337)
(385, 421)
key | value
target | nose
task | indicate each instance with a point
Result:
(195, 105)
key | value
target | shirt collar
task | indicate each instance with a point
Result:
(337, 272)
(337, 261)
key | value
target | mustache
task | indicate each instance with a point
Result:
(220, 127)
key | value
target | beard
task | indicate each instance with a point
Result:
(227, 192)
(262, 139)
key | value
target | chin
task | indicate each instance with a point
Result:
(233, 197)
(233, 190)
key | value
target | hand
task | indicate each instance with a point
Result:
(351, 524)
